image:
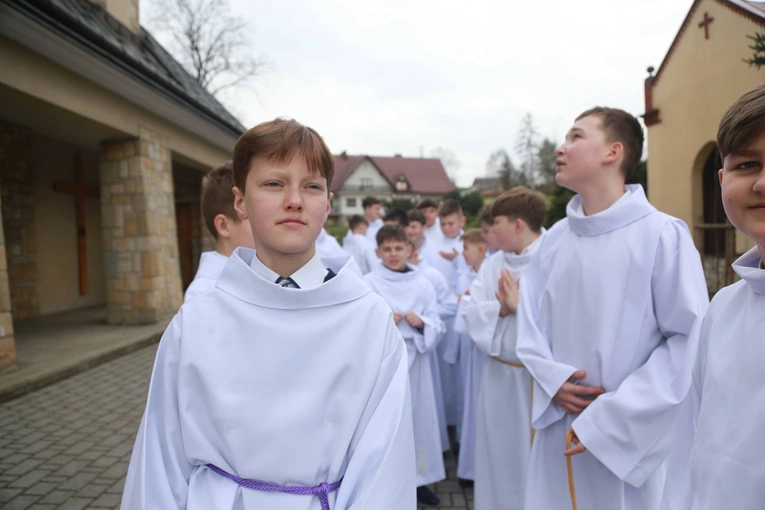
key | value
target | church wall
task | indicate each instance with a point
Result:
(701, 79)
(16, 190)
(56, 228)
(45, 80)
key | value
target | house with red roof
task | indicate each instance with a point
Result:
(385, 178)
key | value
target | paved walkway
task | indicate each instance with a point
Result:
(67, 446)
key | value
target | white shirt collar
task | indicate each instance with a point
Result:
(310, 276)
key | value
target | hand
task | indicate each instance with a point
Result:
(414, 258)
(414, 320)
(508, 294)
(450, 255)
(578, 446)
(569, 396)
(397, 317)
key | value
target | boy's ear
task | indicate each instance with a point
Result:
(221, 222)
(408, 250)
(720, 175)
(462, 221)
(614, 154)
(329, 205)
(378, 252)
(239, 203)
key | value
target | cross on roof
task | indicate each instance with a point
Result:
(705, 23)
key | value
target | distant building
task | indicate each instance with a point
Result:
(703, 72)
(104, 140)
(487, 187)
(385, 178)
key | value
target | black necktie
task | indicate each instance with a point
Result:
(287, 283)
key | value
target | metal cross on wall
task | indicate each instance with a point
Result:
(80, 192)
(705, 23)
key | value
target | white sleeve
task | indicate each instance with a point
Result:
(630, 429)
(481, 315)
(534, 350)
(434, 327)
(381, 466)
(158, 475)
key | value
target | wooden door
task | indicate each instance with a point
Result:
(185, 243)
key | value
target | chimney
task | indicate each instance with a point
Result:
(124, 11)
(397, 155)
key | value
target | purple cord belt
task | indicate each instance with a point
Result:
(319, 491)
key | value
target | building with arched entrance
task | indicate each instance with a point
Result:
(703, 72)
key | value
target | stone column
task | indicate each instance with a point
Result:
(143, 282)
(7, 342)
(20, 242)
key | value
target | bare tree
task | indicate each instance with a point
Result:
(210, 42)
(500, 165)
(449, 160)
(527, 147)
(546, 157)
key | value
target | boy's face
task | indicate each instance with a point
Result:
(474, 253)
(742, 179)
(286, 206)
(583, 153)
(373, 212)
(394, 254)
(415, 230)
(506, 231)
(489, 236)
(452, 224)
(431, 213)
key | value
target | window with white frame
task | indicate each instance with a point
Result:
(350, 202)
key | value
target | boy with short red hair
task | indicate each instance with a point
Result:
(611, 307)
(286, 385)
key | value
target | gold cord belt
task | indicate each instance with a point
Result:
(518, 365)
(570, 468)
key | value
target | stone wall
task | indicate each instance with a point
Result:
(7, 342)
(143, 282)
(16, 195)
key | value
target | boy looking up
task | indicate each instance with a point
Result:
(221, 220)
(503, 412)
(429, 208)
(611, 307)
(726, 403)
(262, 394)
(373, 214)
(471, 359)
(415, 312)
(357, 245)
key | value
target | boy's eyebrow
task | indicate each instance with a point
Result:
(575, 128)
(744, 152)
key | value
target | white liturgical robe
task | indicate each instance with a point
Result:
(503, 411)
(362, 250)
(372, 230)
(327, 246)
(287, 386)
(211, 265)
(411, 292)
(621, 295)
(726, 404)
(447, 308)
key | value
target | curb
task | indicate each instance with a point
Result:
(77, 367)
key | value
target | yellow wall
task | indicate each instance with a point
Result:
(700, 80)
(56, 228)
(45, 80)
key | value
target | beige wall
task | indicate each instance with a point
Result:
(700, 80)
(56, 228)
(32, 74)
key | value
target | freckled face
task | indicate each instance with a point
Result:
(286, 206)
(742, 179)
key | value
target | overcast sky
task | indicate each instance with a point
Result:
(408, 76)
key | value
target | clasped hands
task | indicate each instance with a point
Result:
(508, 294)
(570, 398)
(412, 318)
